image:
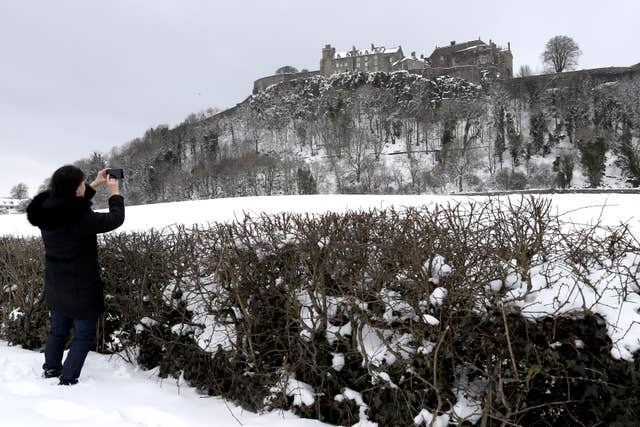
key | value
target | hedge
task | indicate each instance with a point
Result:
(399, 317)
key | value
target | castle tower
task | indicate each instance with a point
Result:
(327, 63)
(506, 61)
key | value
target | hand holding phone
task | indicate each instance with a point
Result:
(113, 186)
(116, 173)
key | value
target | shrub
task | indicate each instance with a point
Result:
(541, 176)
(593, 148)
(508, 180)
(563, 167)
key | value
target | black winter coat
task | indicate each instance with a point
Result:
(72, 282)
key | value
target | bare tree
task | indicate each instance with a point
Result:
(287, 69)
(561, 52)
(356, 152)
(524, 71)
(19, 191)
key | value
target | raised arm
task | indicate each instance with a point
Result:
(99, 222)
(90, 189)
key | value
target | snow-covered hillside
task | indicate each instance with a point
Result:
(392, 133)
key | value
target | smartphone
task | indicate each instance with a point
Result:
(116, 173)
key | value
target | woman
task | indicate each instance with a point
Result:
(73, 288)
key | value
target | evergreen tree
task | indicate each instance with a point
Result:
(155, 184)
(211, 147)
(563, 167)
(515, 141)
(446, 139)
(593, 150)
(306, 182)
(629, 157)
(537, 129)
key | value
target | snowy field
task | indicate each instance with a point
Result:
(579, 208)
(116, 394)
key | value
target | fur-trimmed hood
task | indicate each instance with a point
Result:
(49, 213)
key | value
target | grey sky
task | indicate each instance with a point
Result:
(83, 75)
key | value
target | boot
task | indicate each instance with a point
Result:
(64, 381)
(51, 373)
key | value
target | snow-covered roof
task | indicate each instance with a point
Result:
(469, 48)
(458, 47)
(368, 51)
(410, 58)
(7, 202)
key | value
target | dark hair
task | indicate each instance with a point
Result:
(65, 181)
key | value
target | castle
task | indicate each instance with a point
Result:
(378, 58)
(470, 60)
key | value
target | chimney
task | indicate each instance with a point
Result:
(509, 46)
(372, 46)
(453, 42)
(327, 46)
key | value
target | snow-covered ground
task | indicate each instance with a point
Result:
(115, 394)
(580, 208)
(8, 205)
(7, 202)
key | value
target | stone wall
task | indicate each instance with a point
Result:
(475, 73)
(472, 73)
(597, 75)
(264, 82)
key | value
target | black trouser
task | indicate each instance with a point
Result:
(84, 334)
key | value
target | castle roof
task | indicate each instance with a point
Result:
(410, 58)
(458, 47)
(370, 51)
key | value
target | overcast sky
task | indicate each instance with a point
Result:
(81, 75)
